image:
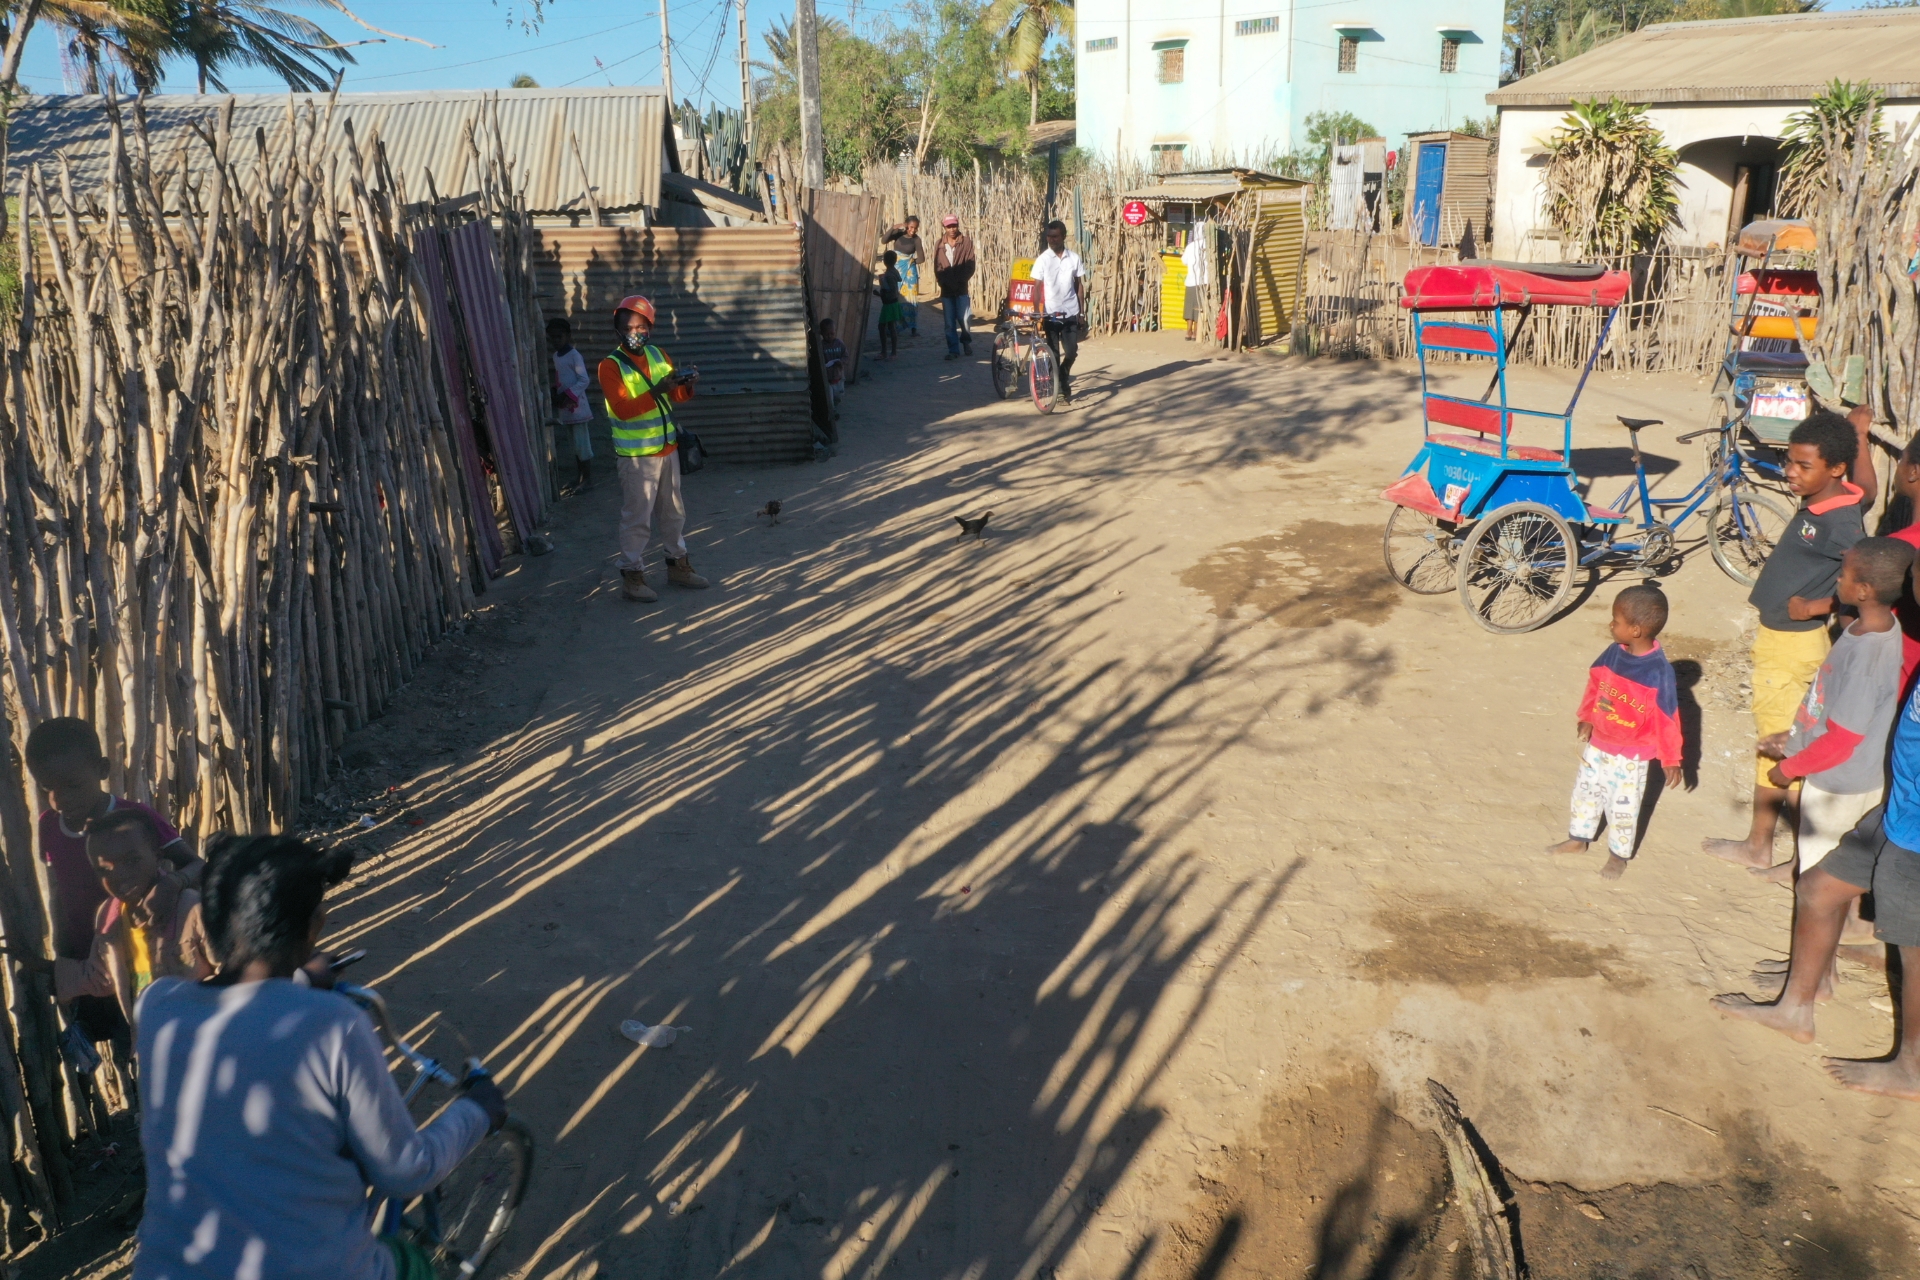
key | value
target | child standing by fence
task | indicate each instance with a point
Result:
(891, 310)
(1630, 715)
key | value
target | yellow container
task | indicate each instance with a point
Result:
(1173, 291)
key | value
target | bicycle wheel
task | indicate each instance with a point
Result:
(1517, 568)
(1422, 553)
(465, 1216)
(1005, 366)
(1743, 528)
(1046, 390)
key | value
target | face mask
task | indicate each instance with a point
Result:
(635, 340)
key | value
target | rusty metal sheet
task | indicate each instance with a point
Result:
(437, 300)
(490, 351)
(842, 244)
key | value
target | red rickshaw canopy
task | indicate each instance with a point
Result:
(1480, 286)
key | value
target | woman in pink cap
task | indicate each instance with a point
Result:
(953, 270)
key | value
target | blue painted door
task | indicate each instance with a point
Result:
(1430, 177)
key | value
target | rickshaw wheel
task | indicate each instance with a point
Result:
(1742, 529)
(1517, 568)
(1422, 553)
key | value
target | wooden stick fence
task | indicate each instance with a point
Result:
(234, 524)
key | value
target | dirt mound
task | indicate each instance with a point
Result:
(1336, 1186)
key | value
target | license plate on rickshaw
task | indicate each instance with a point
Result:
(1774, 399)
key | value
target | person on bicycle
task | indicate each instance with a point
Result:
(1060, 271)
(267, 1112)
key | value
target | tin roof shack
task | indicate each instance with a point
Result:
(1448, 188)
(1258, 224)
(1720, 92)
(575, 151)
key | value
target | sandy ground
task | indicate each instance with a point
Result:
(1095, 901)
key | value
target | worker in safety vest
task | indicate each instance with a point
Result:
(644, 446)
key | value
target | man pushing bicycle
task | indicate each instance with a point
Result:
(267, 1112)
(1060, 273)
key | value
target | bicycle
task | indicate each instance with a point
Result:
(1743, 524)
(460, 1222)
(1036, 357)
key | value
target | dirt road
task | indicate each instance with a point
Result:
(1096, 900)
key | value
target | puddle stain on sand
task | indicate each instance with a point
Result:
(1314, 574)
(1334, 1185)
(1466, 947)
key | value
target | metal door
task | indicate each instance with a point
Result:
(1429, 179)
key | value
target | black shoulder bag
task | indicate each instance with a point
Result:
(693, 455)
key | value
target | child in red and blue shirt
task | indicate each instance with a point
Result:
(1630, 715)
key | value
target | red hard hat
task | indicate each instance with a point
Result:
(642, 307)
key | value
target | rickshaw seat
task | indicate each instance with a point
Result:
(1491, 447)
(1483, 419)
(1793, 361)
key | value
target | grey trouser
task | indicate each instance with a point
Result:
(648, 485)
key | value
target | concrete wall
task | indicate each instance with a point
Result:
(1711, 137)
(1245, 98)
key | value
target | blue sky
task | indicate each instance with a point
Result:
(481, 44)
(478, 47)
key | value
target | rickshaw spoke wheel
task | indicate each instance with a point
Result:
(1743, 528)
(1517, 568)
(1423, 553)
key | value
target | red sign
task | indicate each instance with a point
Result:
(1134, 212)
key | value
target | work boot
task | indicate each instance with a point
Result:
(586, 475)
(633, 585)
(680, 573)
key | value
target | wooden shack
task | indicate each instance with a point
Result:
(1449, 188)
(1267, 266)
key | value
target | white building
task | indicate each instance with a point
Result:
(1189, 83)
(1721, 93)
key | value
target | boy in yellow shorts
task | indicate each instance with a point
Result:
(1795, 596)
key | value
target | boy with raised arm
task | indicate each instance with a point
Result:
(1794, 594)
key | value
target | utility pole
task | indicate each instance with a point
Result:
(813, 151)
(666, 62)
(746, 81)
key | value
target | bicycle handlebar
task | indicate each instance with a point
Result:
(376, 1006)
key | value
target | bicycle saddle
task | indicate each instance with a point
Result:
(1634, 424)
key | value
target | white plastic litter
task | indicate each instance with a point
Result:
(366, 820)
(653, 1037)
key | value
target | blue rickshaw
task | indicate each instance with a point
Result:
(1502, 520)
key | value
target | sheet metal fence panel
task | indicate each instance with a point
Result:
(1279, 246)
(842, 243)
(729, 299)
(491, 348)
(439, 305)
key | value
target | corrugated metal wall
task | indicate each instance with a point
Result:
(1279, 245)
(729, 299)
(624, 137)
(842, 243)
(1466, 191)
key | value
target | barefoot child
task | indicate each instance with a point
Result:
(1794, 594)
(1837, 746)
(1878, 855)
(892, 311)
(1630, 715)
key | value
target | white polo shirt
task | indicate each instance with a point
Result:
(1056, 273)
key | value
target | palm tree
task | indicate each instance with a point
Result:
(1571, 39)
(95, 33)
(523, 81)
(1023, 28)
(1833, 122)
(1610, 177)
(219, 34)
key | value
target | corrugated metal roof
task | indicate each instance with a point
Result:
(422, 132)
(1786, 58)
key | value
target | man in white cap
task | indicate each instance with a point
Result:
(953, 269)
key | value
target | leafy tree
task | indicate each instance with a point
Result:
(864, 106)
(1532, 26)
(1610, 177)
(1832, 122)
(1024, 27)
(523, 81)
(1706, 10)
